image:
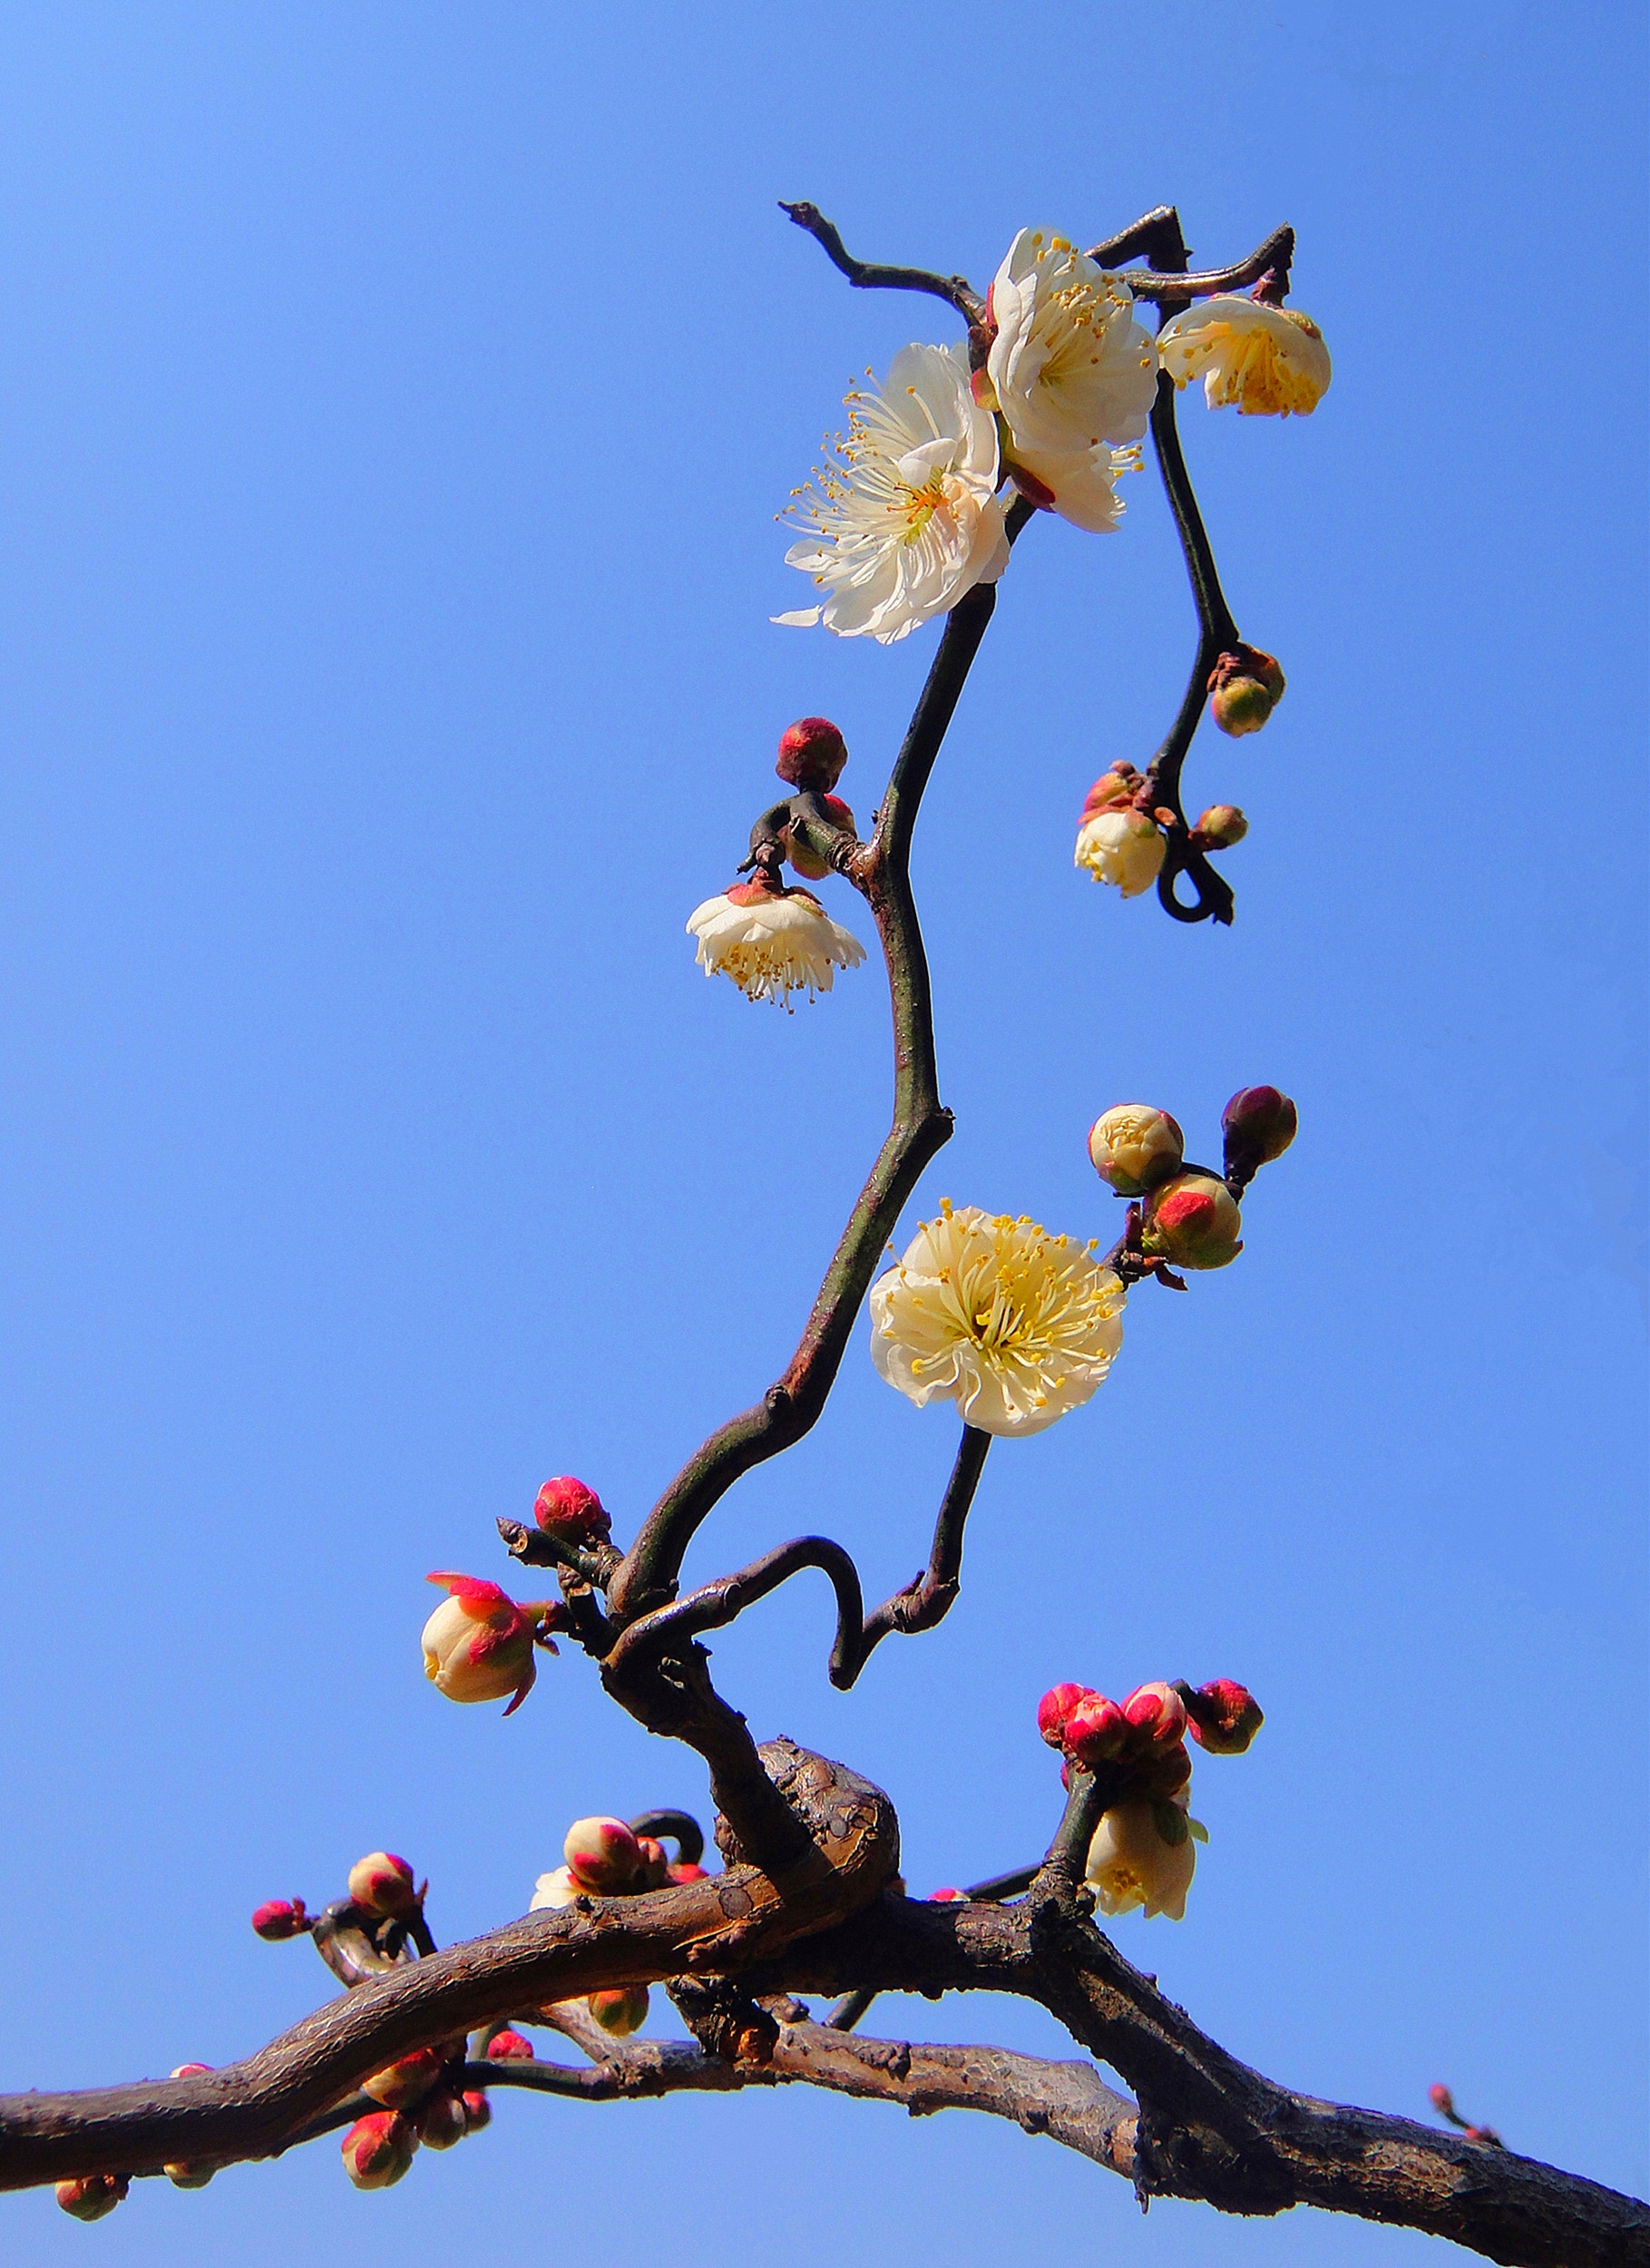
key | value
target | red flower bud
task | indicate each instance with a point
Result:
(478, 2111)
(683, 1872)
(508, 2047)
(1055, 1707)
(383, 1883)
(653, 1863)
(92, 2195)
(402, 2084)
(190, 2070)
(279, 1918)
(603, 1854)
(378, 2149)
(621, 2012)
(948, 1897)
(1441, 2100)
(1095, 1731)
(1224, 1716)
(565, 1507)
(1259, 1124)
(1193, 1221)
(442, 2120)
(812, 753)
(1156, 1715)
(1165, 1771)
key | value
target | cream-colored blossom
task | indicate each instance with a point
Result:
(1071, 371)
(1268, 360)
(557, 1888)
(772, 942)
(1123, 848)
(1012, 1325)
(905, 518)
(1130, 1864)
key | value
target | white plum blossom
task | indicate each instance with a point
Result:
(1269, 360)
(557, 1888)
(905, 520)
(1012, 1325)
(1123, 848)
(1072, 372)
(772, 942)
(1130, 1863)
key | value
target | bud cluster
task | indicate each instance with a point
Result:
(1184, 1216)
(604, 1857)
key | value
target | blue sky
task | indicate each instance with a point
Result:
(397, 402)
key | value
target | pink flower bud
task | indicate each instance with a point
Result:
(92, 2195)
(378, 2149)
(811, 754)
(442, 2120)
(190, 2070)
(1156, 1714)
(1441, 2100)
(383, 1883)
(1194, 1222)
(279, 1918)
(1225, 1717)
(566, 1508)
(478, 1645)
(1096, 1731)
(1133, 1147)
(508, 2047)
(478, 2111)
(603, 1855)
(683, 1872)
(1055, 1707)
(1221, 825)
(1259, 1124)
(402, 2084)
(1244, 687)
(1112, 791)
(652, 1863)
(1164, 1772)
(620, 2012)
(948, 1897)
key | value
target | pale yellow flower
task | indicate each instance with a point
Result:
(1012, 1325)
(1130, 1864)
(1268, 360)
(772, 942)
(1123, 848)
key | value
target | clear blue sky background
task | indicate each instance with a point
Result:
(397, 401)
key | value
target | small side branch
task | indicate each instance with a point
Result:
(930, 1596)
(871, 276)
(1157, 237)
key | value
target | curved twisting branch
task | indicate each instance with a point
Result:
(931, 1594)
(1157, 237)
(869, 275)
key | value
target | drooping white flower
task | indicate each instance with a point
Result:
(1130, 1864)
(905, 518)
(1269, 360)
(772, 942)
(1122, 847)
(1072, 372)
(1012, 1325)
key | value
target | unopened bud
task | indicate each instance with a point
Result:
(1194, 1221)
(508, 2047)
(652, 1863)
(190, 2070)
(1112, 790)
(383, 1883)
(184, 2175)
(442, 2120)
(402, 2084)
(812, 753)
(1123, 848)
(1096, 1731)
(1156, 1714)
(378, 2149)
(1225, 1717)
(1055, 1707)
(1165, 1771)
(1244, 687)
(603, 1854)
(478, 2111)
(566, 1508)
(684, 1873)
(1221, 825)
(1441, 2100)
(279, 1918)
(948, 1897)
(810, 867)
(557, 1888)
(621, 2012)
(92, 2195)
(1133, 1147)
(1259, 1124)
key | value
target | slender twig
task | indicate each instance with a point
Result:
(869, 275)
(930, 1596)
(1157, 237)
(713, 1605)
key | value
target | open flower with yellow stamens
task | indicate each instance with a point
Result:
(1073, 372)
(1012, 1325)
(905, 518)
(1132, 1863)
(772, 942)
(1268, 360)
